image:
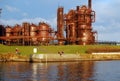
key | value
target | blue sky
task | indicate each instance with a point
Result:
(107, 14)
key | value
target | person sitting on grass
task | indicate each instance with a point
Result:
(61, 53)
(17, 51)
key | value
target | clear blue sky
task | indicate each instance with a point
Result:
(107, 14)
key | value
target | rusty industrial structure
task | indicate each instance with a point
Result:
(77, 25)
(74, 27)
(28, 34)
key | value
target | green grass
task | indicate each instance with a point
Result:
(67, 49)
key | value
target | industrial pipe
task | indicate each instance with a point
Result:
(90, 4)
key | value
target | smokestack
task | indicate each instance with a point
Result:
(90, 4)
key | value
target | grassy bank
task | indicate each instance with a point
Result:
(67, 49)
(26, 50)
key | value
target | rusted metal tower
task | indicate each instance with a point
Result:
(78, 25)
(85, 18)
(60, 25)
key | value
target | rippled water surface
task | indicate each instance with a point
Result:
(61, 71)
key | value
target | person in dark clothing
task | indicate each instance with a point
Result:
(60, 53)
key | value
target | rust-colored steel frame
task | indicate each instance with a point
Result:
(17, 34)
(76, 23)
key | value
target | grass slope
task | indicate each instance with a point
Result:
(67, 49)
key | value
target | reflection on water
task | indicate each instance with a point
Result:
(62, 71)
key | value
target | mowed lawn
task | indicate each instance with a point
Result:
(52, 49)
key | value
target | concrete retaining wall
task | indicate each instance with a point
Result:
(76, 57)
(59, 58)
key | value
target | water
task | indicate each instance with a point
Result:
(61, 71)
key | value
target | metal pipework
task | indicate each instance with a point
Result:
(90, 4)
(94, 16)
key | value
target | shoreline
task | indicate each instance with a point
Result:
(58, 58)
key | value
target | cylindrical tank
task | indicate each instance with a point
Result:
(8, 31)
(85, 37)
(26, 29)
(43, 27)
(33, 32)
(33, 36)
(33, 28)
(43, 32)
(16, 30)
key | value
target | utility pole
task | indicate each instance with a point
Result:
(0, 12)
